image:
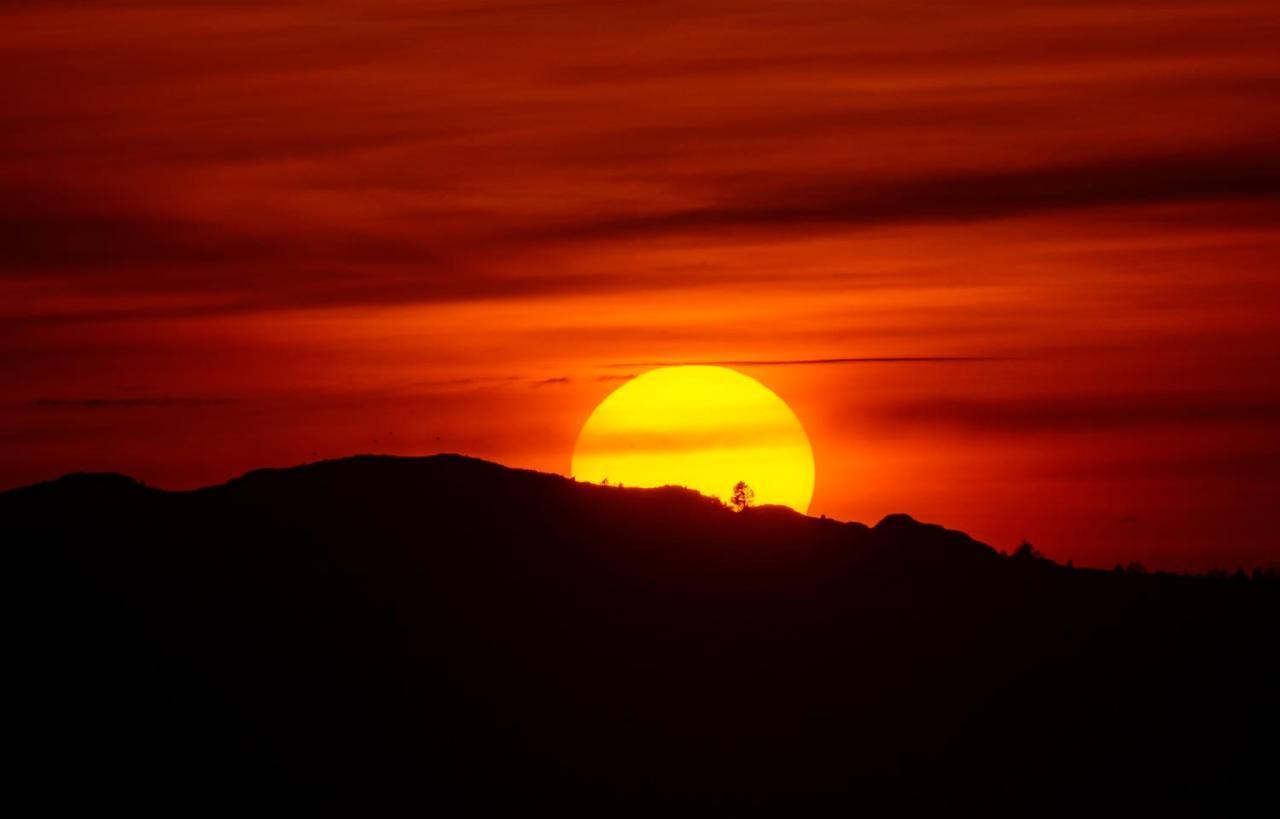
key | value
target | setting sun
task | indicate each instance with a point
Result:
(702, 427)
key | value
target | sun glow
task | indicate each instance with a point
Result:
(702, 427)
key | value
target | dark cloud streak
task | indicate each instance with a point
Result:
(238, 268)
(127, 403)
(1083, 413)
(799, 362)
(1236, 173)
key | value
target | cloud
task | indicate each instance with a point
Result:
(1073, 413)
(230, 266)
(96, 249)
(467, 381)
(1259, 466)
(320, 155)
(127, 403)
(1241, 172)
(797, 362)
(760, 436)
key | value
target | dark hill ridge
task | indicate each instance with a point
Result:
(428, 631)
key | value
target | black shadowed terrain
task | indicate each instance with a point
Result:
(443, 632)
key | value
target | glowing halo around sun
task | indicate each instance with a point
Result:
(702, 427)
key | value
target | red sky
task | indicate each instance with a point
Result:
(238, 235)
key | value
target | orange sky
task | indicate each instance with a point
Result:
(239, 235)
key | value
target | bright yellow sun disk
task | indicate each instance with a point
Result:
(702, 427)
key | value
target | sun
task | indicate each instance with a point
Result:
(702, 427)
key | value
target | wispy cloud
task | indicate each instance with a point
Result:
(266, 191)
(127, 403)
(802, 362)
(1229, 172)
(467, 381)
(1066, 413)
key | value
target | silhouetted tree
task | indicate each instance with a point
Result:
(743, 496)
(1026, 551)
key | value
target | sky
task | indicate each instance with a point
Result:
(1013, 265)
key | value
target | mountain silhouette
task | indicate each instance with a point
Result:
(446, 633)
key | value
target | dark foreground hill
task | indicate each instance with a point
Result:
(445, 633)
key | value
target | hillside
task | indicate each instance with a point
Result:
(427, 631)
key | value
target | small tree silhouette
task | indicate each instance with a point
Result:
(742, 497)
(1028, 552)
